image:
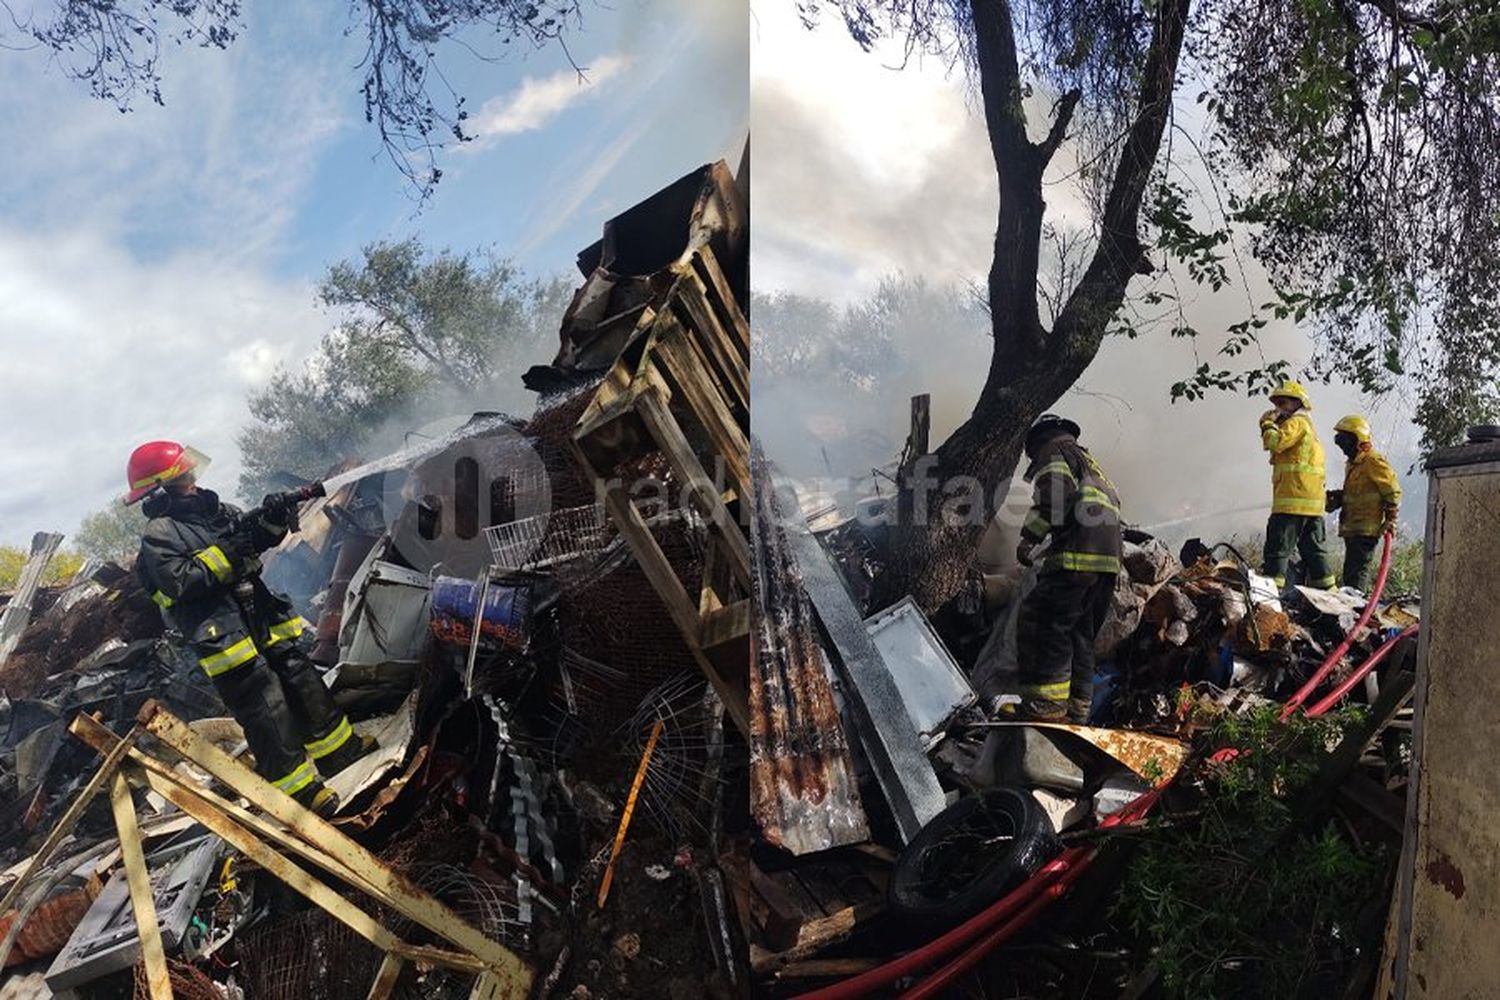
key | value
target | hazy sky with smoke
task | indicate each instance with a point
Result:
(863, 169)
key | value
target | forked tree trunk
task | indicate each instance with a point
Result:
(933, 543)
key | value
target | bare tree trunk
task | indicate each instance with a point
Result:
(1031, 367)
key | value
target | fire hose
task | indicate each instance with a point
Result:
(1296, 700)
(1011, 913)
(1019, 905)
(1359, 673)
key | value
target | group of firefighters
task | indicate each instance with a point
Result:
(1076, 510)
(199, 560)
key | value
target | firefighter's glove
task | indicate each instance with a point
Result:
(240, 545)
(276, 510)
(1333, 499)
(1024, 552)
(1390, 516)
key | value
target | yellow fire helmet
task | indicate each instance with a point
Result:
(1292, 390)
(1356, 425)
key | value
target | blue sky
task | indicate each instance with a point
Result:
(156, 266)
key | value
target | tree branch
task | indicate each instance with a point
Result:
(1062, 118)
(392, 319)
(1119, 254)
(1000, 83)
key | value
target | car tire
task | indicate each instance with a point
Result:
(968, 856)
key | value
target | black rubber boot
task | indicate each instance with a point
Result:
(352, 750)
(319, 798)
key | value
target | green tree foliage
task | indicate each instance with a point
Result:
(111, 534)
(1405, 576)
(64, 566)
(1245, 899)
(417, 331)
(113, 47)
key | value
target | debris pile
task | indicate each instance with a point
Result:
(894, 802)
(543, 650)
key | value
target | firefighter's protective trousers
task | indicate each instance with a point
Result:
(1055, 635)
(251, 643)
(1074, 503)
(1306, 536)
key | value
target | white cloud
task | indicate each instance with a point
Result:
(536, 102)
(104, 351)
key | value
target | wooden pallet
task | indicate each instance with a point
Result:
(681, 388)
(270, 831)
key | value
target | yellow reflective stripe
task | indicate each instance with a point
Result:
(213, 557)
(331, 742)
(298, 779)
(1324, 583)
(161, 477)
(1037, 524)
(1058, 468)
(239, 654)
(1084, 562)
(1098, 496)
(1297, 467)
(162, 599)
(1298, 505)
(289, 629)
(1057, 691)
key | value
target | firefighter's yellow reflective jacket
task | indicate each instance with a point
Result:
(1370, 486)
(1297, 475)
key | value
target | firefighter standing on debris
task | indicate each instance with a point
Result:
(1370, 501)
(199, 561)
(1075, 504)
(1297, 488)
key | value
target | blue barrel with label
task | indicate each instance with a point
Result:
(506, 617)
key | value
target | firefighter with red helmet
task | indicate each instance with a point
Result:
(199, 560)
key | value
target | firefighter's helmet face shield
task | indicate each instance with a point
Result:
(187, 470)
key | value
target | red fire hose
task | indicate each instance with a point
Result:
(1359, 673)
(1020, 905)
(1304, 692)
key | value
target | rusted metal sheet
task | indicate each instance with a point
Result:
(803, 791)
(1155, 758)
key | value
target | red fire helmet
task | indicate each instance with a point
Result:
(157, 462)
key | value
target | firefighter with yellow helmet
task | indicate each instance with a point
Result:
(1370, 501)
(1298, 488)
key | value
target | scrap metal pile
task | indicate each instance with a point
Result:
(557, 775)
(900, 815)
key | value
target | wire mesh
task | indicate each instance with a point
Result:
(187, 982)
(308, 955)
(622, 640)
(680, 781)
(550, 540)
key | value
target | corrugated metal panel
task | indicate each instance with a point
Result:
(802, 787)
